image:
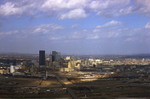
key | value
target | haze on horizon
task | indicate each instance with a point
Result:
(75, 26)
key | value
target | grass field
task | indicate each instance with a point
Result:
(111, 89)
(11, 87)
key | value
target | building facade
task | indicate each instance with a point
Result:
(41, 58)
(55, 56)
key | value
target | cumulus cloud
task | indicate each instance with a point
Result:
(9, 9)
(83, 35)
(147, 25)
(112, 23)
(56, 38)
(33, 31)
(46, 28)
(57, 5)
(75, 13)
(74, 26)
(58, 8)
(107, 31)
(129, 39)
(111, 8)
(19, 8)
(94, 37)
(9, 32)
(71, 9)
(143, 7)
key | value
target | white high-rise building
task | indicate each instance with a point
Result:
(12, 70)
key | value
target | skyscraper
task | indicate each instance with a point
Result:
(55, 55)
(41, 58)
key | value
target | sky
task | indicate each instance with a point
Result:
(78, 27)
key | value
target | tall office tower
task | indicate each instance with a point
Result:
(41, 58)
(55, 56)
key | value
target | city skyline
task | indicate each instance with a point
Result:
(87, 27)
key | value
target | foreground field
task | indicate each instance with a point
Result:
(12, 87)
(108, 88)
(112, 89)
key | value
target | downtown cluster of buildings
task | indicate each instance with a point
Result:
(56, 62)
(41, 64)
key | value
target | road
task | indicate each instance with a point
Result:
(68, 89)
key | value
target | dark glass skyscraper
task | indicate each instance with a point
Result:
(41, 58)
(55, 56)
